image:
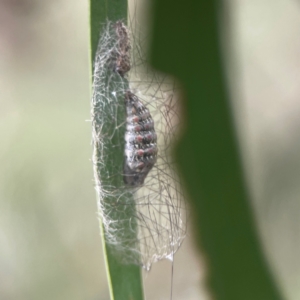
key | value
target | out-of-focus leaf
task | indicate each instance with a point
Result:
(186, 44)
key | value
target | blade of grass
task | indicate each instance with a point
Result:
(125, 281)
(186, 44)
(100, 11)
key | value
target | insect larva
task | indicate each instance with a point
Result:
(141, 225)
(140, 141)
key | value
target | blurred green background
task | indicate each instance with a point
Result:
(49, 237)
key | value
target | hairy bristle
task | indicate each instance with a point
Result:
(135, 119)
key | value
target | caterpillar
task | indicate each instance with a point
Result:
(140, 136)
(141, 214)
(140, 141)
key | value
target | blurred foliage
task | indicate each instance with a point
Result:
(186, 44)
(48, 225)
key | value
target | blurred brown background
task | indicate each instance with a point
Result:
(49, 238)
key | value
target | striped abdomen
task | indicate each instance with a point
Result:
(140, 141)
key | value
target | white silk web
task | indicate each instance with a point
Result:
(142, 224)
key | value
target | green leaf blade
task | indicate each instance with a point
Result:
(186, 44)
(125, 281)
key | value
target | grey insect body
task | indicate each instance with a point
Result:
(140, 141)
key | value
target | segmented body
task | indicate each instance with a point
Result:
(140, 141)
